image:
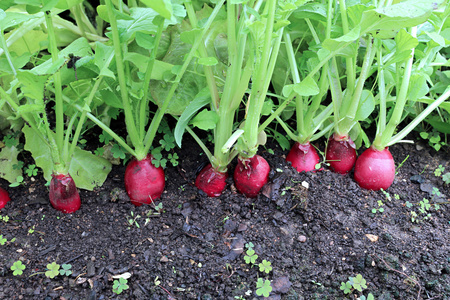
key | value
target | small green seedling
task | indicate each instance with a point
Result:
(446, 178)
(369, 297)
(120, 285)
(249, 245)
(380, 207)
(354, 283)
(250, 257)
(4, 218)
(19, 181)
(265, 266)
(263, 287)
(17, 268)
(31, 170)
(133, 220)
(65, 270)
(52, 270)
(439, 170)
(2, 240)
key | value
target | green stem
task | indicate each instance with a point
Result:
(275, 113)
(5, 49)
(351, 77)
(210, 79)
(59, 110)
(160, 113)
(286, 128)
(401, 100)
(145, 99)
(83, 116)
(382, 95)
(129, 119)
(407, 129)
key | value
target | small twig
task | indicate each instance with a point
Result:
(404, 274)
(72, 259)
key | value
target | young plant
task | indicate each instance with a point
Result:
(4, 198)
(52, 270)
(354, 283)
(120, 285)
(263, 287)
(17, 268)
(375, 167)
(65, 270)
(54, 151)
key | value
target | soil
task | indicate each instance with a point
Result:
(316, 229)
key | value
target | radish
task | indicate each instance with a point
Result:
(303, 157)
(4, 198)
(341, 153)
(251, 174)
(211, 181)
(375, 169)
(64, 194)
(144, 182)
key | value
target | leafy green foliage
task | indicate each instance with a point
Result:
(65, 270)
(10, 140)
(19, 181)
(438, 171)
(263, 287)
(354, 283)
(52, 270)
(120, 285)
(250, 257)
(265, 266)
(31, 170)
(18, 268)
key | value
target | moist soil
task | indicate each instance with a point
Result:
(316, 230)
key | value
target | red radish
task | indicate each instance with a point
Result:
(64, 194)
(4, 198)
(144, 182)
(341, 154)
(375, 169)
(211, 181)
(303, 157)
(251, 174)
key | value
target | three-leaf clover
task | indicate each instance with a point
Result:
(346, 287)
(17, 268)
(53, 270)
(117, 152)
(359, 283)
(265, 266)
(65, 270)
(120, 285)
(251, 256)
(263, 288)
(2, 240)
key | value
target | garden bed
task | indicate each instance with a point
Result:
(316, 229)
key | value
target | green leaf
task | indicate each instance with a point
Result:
(208, 61)
(307, 87)
(366, 105)
(163, 7)
(11, 19)
(111, 98)
(201, 99)
(102, 59)
(33, 85)
(8, 158)
(68, 4)
(53, 270)
(87, 170)
(263, 287)
(205, 119)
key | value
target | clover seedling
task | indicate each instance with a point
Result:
(120, 285)
(380, 208)
(446, 178)
(17, 268)
(53, 270)
(358, 283)
(2, 240)
(263, 287)
(65, 270)
(439, 170)
(265, 266)
(250, 257)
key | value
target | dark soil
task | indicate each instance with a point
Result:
(314, 228)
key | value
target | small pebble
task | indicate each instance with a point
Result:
(302, 238)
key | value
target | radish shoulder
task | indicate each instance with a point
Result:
(251, 174)
(64, 193)
(303, 157)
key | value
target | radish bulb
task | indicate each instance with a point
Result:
(64, 194)
(341, 154)
(375, 169)
(211, 181)
(144, 182)
(303, 157)
(4, 198)
(251, 174)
